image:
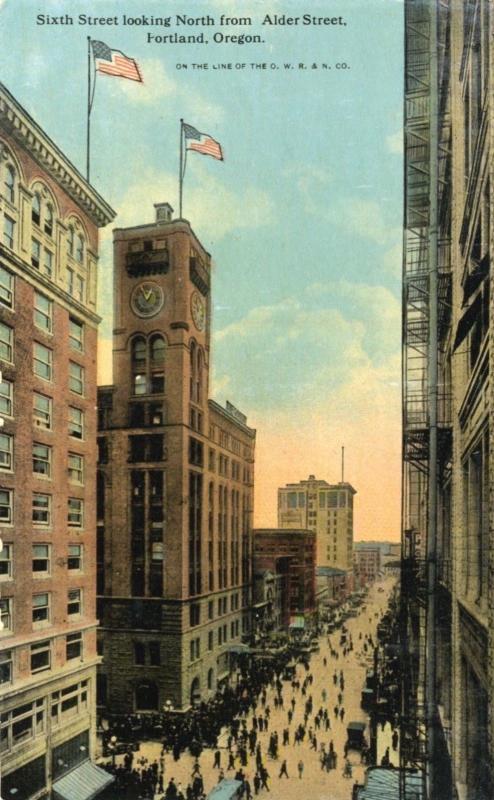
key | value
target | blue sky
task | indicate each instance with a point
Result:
(303, 219)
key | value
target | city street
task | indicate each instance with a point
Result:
(316, 783)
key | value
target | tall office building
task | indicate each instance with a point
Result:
(448, 553)
(326, 509)
(49, 218)
(175, 483)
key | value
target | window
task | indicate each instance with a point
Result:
(195, 649)
(79, 249)
(76, 468)
(140, 384)
(8, 231)
(6, 288)
(74, 561)
(48, 226)
(157, 348)
(6, 342)
(76, 378)
(70, 281)
(43, 362)
(6, 667)
(35, 253)
(9, 183)
(6, 395)
(75, 517)
(73, 646)
(157, 383)
(42, 411)
(41, 608)
(76, 331)
(194, 614)
(70, 241)
(76, 423)
(211, 609)
(72, 700)
(36, 209)
(6, 506)
(41, 559)
(6, 451)
(79, 288)
(6, 613)
(42, 510)
(139, 653)
(74, 602)
(40, 656)
(6, 562)
(42, 460)
(43, 312)
(47, 263)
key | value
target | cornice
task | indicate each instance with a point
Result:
(22, 127)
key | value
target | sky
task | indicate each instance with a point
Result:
(302, 219)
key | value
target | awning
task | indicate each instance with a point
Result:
(82, 783)
(467, 321)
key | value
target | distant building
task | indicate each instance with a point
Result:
(50, 219)
(366, 565)
(326, 509)
(175, 483)
(267, 607)
(334, 582)
(291, 555)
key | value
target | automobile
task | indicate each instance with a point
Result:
(355, 736)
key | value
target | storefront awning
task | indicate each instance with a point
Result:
(82, 783)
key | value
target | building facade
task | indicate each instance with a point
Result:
(326, 509)
(175, 484)
(49, 216)
(448, 549)
(366, 565)
(291, 555)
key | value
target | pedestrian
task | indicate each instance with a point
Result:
(257, 783)
(347, 770)
(342, 713)
(286, 737)
(264, 778)
(300, 767)
(290, 716)
(217, 760)
(231, 762)
(283, 770)
(324, 695)
(395, 739)
(247, 791)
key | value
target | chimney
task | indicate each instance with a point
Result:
(164, 212)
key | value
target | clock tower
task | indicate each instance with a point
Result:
(174, 485)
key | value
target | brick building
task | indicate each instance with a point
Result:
(366, 565)
(175, 483)
(291, 554)
(49, 218)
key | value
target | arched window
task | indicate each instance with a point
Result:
(49, 220)
(157, 348)
(70, 241)
(10, 183)
(79, 253)
(139, 350)
(36, 209)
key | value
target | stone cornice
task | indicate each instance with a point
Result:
(22, 127)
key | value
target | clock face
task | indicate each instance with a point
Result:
(147, 299)
(198, 309)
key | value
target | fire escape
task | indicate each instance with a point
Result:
(426, 401)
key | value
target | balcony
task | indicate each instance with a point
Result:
(148, 262)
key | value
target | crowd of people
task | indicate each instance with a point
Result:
(236, 730)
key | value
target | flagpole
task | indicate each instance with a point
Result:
(88, 142)
(181, 175)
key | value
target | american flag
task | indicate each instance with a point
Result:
(202, 142)
(114, 62)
